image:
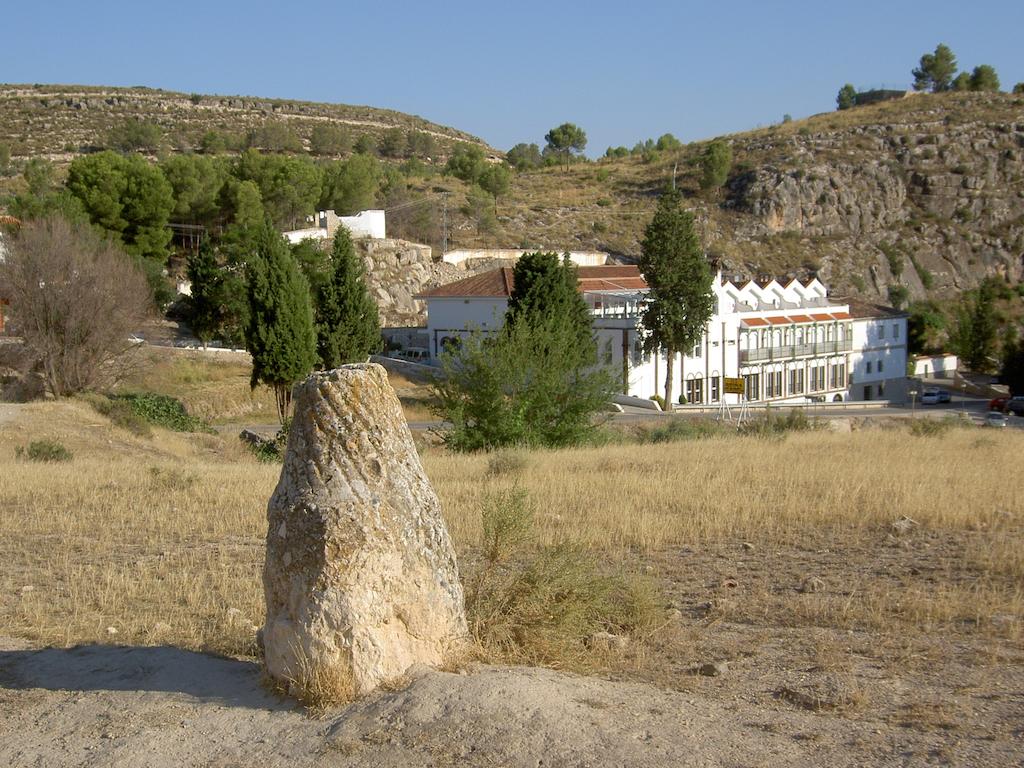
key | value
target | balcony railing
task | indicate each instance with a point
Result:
(793, 351)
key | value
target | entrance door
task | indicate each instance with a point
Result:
(867, 391)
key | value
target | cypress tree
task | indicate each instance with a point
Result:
(545, 287)
(204, 274)
(680, 301)
(347, 327)
(280, 335)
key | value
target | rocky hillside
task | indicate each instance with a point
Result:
(59, 121)
(923, 195)
(926, 192)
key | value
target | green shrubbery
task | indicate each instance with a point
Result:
(44, 450)
(138, 412)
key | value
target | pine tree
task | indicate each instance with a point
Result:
(545, 286)
(680, 302)
(280, 335)
(347, 326)
(205, 278)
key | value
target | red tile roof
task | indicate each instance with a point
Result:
(754, 321)
(498, 283)
(800, 319)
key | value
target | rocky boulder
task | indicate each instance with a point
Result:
(360, 578)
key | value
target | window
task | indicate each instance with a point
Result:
(769, 384)
(696, 350)
(695, 391)
(796, 381)
(838, 380)
(881, 331)
(817, 378)
(895, 330)
(752, 382)
(880, 362)
(715, 392)
(869, 366)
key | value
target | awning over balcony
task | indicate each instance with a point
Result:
(819, 317)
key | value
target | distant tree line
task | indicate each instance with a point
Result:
(937, 73)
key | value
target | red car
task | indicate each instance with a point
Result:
(997, 403)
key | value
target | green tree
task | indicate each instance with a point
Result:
(847, 97)
(1018, 89)
(524, 157)
(365, 145)
(213, 143)
(715, 164)
(680, 300)
(393, 143)
(275, 136)
(496, 179)
(614, 152)
(936, 70)
(328, 139)
(973, 335)
(347, 324)
(984, 78)
(566, 140)
(132, 201)
(133, 135)
(1012, 371)
(925, 325)
(480, 206)
(196, 182)
(898, 295)
(962, 82)
(538, 381)
(204, 305)
(467, 162)
(280, 334)
(351, 186)
(420, 144)
(289, 185)
(666, 142)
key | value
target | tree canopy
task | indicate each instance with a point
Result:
(680, 301)
(280, 334)
(936, 70)
(715, 164)
(347, 325)
(847, 97)
(566, 140)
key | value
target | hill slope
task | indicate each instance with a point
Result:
(926, 192)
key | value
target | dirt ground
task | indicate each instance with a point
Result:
(763, 659)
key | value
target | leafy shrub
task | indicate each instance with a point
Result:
(161, 411)
(44, 450)
(659, 400)
(542, 607)
(675, 430)
(120, 413)
(772, 426)
(272, 451)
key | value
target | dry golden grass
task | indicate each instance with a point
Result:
(162, 539)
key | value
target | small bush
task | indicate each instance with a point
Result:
(120, 414)
(771, 426)
(675, 430)
(506, 463)
(926, 427)
(659, 400)
(272, 451)
(44, 450)
(542, 607)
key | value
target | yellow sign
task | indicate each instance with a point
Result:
(734, 386)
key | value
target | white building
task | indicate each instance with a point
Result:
(363, 224)
(789, 341)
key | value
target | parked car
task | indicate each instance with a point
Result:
(944, 396)
(997, 403)
(414, 354)
(995, 419)
(1015, 405)
(930, 396)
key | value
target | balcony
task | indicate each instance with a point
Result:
(795, 351)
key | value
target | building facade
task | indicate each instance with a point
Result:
(789, 341)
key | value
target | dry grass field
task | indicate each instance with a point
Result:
(876, 576)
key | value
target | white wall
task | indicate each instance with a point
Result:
(457, 317)
(936, 366)
(365, 224)
(878, 342)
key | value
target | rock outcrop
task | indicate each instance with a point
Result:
(360, 578)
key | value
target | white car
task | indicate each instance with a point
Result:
(995, 419)
(930, 397)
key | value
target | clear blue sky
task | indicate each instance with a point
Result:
(508, 72)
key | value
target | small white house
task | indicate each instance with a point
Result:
(363, 224)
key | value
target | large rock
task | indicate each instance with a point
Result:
(360, 577)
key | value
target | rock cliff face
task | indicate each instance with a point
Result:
(933, 201)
